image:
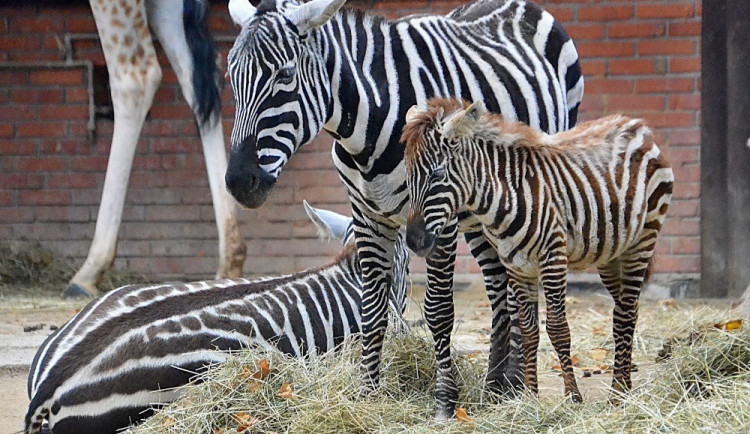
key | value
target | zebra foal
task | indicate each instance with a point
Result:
(595, 195)
(130, 349)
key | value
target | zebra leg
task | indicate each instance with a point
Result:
(375, 246)
(553, 277)
(504, 374)
(439, 314)
(524, 291)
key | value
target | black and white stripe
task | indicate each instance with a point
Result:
(299, 68)
(596, 195)
(129, 350)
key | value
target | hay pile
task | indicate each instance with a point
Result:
(703, 386)
(26, 266)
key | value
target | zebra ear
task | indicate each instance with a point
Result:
(314, 14)
(330, 225)
(412, 113)
(464, 122)
(241, 11)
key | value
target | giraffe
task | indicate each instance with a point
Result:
(134, 76)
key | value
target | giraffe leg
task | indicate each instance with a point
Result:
(167, 21)
(553, 277)
(134, 76)
(439, 314)
(525, 292)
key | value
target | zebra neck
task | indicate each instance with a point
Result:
(359, 52)
(496, 192)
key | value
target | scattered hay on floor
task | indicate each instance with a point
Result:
(29, 267)
(703, 386)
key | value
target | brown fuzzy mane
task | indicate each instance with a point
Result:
(414, 130)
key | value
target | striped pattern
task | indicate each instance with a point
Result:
(354, 76)
(125, 352)
(596, 195)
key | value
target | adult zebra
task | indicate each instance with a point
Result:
(297, 68)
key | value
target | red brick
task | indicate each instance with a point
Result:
(684, 208)
(36, 24)
(9, 78)
(17, 113)
(666, 10)
(674, 264)
(607, 86)
(690, 136)
(669, 119)
(57, 76)
(682, 154)
(691, 173)
(593, 68)
(76, 95)
(16, 147)
(617, 103)
(605, 13)
(68, 180)
(686, 190)
(664, 47)
(668, 85)
(605, 49)
(41, 129)
(87, 164)
(6, 130)
(637, 66)
(636, 30)
(16, 215)
(20, 42)
(44, 197)
(685, 28)
(685, 102)
(689, 64)
(18, 181)
(80, 24)
(561, 13)
(66, 147)
(172, 111)
(40, 164)
(36, 96)
(585, 31)
(6, 198)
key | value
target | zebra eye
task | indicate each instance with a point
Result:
(438, 174)
(285, 75)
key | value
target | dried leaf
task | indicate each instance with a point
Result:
(286, 392)
(473, 355)
(244, 421)
(598, 331)
(263, 370)
(734, 324)
(572, 300)
(484, 304)
(463, 417)
(598, 354)
(168, 422)
(575, 361)
(669, 302)
(556, 368)
(219, 430)
(254, 386)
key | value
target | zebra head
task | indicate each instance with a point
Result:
(434, 139)
(332, 225)
(281, 90)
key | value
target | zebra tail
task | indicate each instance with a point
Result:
(33, 423)
(203, 52)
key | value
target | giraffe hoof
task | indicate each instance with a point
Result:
(75, 290)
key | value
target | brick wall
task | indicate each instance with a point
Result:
(639, 57)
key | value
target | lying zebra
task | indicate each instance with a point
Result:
(129, 350)
(595, 195)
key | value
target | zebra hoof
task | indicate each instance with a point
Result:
(75, 290)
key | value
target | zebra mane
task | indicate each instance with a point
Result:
(494, 130)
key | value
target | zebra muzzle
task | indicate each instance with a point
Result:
(418, 238)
